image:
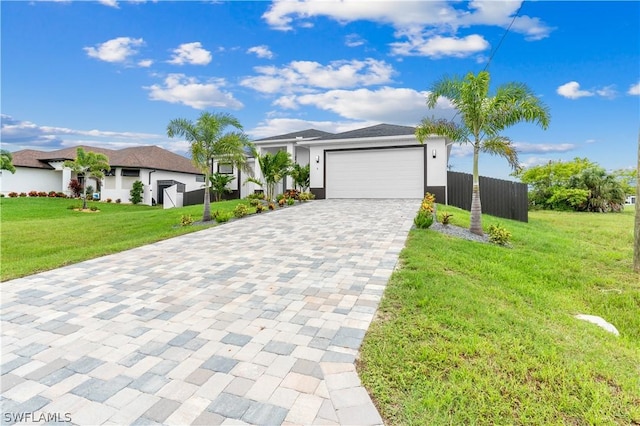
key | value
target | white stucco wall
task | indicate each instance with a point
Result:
(119, 186)
(27, 179)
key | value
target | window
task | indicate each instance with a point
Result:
(199, 178)
(226, 169)
(131, 172)
(111, 172)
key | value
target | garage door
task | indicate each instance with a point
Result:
(379, 173)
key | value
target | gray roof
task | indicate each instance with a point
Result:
(305, 134)
(379, 130)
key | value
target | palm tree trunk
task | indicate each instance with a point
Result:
(476, 206)
(206, 214)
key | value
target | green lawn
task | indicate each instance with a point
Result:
(39, 234)
(472, 333)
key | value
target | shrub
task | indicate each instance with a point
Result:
(292, 193)
(280, 197)
(222, 217)
(23, 194)
(52, 193)
(241, 210)
(186, 220)
(109, 200)
(445, 218)
(33, 193)
(272, 206)
(1, 195)
(118, 200)
(13, 194)
(423, 219)
(135, 195)
(93, 208)
(290, 201)
(306, 196)
(255, 196)
(42, 194)
(254, 202)
(281, 202)
(90, 191)
(61, 195)
(260, 208)
(499, 235)
(75, 187)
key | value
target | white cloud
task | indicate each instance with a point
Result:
(387, 104)
(261, 51)
(116, 50)
(300, 76)
(145, 63)
(110, 3)
(439, 46)
(190, 53)
(281, 126)
(353, 40)
(608, 92)
(572, 90)
(178, 88)
(634, 89)
(540, 148)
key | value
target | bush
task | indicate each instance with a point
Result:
(272, 206)
(222, 217)
(42, 194)
(75, 187)
(280, 197)
(290, 201)
(90, 191)
(93, 208)
(499, 235)
(254, 202)
(241, 210)
(186, 220)
(423, 219)
(135, 195)
(109, 200)
(53, 194)
(13, 194)
(445, 218)
(1, 195)
(260, 208)
(61, 195)
(281, 202)
(255, 196)
(306, 196)
(33, 193)
(23, 194)
(118, 200)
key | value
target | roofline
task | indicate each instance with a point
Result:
(366, 139)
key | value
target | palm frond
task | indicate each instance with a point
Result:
(503, 147)
(441, 127)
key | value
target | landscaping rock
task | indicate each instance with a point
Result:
(600, 322)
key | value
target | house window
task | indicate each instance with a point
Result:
(111, 172)
(225, 169)
(131, 172)
(199, 178)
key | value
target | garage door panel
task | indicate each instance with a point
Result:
(384, 173)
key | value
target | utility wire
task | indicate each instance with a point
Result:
(503, 36)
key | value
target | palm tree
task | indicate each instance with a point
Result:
(7, 161)
(91, 165)
(301, 176)
(210, 142)
(483, 117)
(274, 167)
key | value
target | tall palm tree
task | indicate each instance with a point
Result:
(273, 167)
(210, 142)
(91, 165)
(483, 117)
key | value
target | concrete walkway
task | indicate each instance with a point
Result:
(257, 321)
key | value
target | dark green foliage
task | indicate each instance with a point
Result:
(423, 219)
(135, 195)
(219, 182)
(301, 176)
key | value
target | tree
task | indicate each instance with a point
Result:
(301, 176)
(7, 161)
(91, 165)
(219, 182)
(483, 117)
(211, 141)
(274, 167)
(135, 194)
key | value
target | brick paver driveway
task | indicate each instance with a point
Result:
(256, 321)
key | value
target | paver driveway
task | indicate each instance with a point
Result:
(256, 321)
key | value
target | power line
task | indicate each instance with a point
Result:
(503, 36)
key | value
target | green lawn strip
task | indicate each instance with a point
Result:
(39, 234)
(471, 333)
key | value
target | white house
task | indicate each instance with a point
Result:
(382, 161)
(155, 167)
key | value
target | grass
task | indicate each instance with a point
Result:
(472, 333)
(39, 234)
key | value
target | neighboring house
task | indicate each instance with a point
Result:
(382, 161)
(155, 167)
(631, 200)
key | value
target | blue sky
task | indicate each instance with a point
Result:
(114, 73)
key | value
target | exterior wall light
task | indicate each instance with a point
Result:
(433, 153)
(317, 158)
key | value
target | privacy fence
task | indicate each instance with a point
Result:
(501, 198)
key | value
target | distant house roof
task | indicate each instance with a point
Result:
(379, 130)
(148, 157)
(305, 134)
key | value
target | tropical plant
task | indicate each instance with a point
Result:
(273, 167)
(136, 191)
(75, 187)
(7, 161)
(91, 165)
(241, 210)
(301, 176)
(483, 117)
(211, 141)
(219, 182)
(499, 235)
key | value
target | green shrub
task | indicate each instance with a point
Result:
(280, 197)
(499, 235)
(222, 217)
(260, 208)
(186, 220)
(290, 201)
(93, 208)
(255, 196)
(241, 210)
(423, 219)
(306, 196)
(445, 218)
(135, 195)
(254, 202)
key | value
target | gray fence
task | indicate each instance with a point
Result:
(197, 197)
(501, 198)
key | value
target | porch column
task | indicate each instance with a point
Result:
(288, 183)
(66, 177)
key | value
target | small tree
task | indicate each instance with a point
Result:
(75, 187)
(301, 176)
(7, 161)
(219, 182)
(136, 192)
(274, 167)
(91, 164)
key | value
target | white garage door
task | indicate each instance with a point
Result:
(380, 173)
